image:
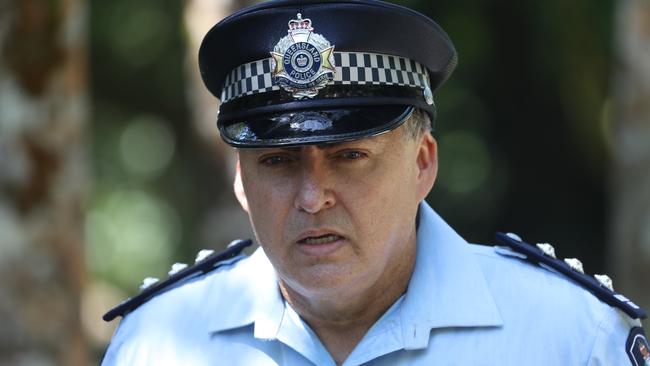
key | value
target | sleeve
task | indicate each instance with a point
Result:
(111, 356)
(620, 341)
(115, 354)
(126, 347)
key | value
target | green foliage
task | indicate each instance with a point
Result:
(135, 226)
(530, 92)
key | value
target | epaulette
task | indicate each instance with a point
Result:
(543, 255)
(206, 261)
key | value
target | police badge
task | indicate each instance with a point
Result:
(302, 61)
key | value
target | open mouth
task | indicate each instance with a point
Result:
(319, 240)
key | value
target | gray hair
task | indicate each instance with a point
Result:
(418, 123)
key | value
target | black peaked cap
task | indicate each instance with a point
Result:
(357, 26)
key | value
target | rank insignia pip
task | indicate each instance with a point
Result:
(302, 61)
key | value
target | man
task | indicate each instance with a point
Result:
(329, 104)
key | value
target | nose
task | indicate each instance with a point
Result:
(314, 192)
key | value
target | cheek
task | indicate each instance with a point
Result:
(398, 196)
(384, 197)
(268, 203)
(393, 183)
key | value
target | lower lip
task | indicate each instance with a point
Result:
(319, 250)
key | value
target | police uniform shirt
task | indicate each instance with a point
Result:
(465, 305)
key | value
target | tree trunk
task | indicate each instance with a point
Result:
(630, 205)
(43, 179)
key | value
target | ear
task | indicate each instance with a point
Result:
(427, 165)
(239, 188)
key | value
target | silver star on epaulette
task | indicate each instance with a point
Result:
(547, 249)
(605, 281)
(176, 267)
(204, 253)
(148, 282)
(514, 236)
(575, 264)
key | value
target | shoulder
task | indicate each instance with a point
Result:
(535, 271)
(178, 315)
(518, 285)
(512, 279)
(206, 262)
(540, 260)
(534, 289)
(183, 304)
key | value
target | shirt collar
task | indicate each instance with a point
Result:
(447, 288)
(247, 294)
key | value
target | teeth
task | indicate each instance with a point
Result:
(321, 240)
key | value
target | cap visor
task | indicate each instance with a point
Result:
(314, 126)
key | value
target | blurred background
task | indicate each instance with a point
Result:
(111, 168)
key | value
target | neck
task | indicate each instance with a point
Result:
(342, 319)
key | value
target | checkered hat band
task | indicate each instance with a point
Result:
(352, 68)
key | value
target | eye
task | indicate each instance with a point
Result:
(275, 160)
(352, 154)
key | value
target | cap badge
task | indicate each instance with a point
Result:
(302, 61)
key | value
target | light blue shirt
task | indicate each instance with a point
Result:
(465, 305)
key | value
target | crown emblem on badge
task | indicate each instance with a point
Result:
(300, 25)
(302, 61)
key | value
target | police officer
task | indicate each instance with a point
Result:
(330, 106)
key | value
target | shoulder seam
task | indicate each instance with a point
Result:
(204, 266)
(536, 256)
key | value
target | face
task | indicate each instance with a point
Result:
(337, 217)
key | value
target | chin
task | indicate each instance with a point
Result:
(322, 279)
